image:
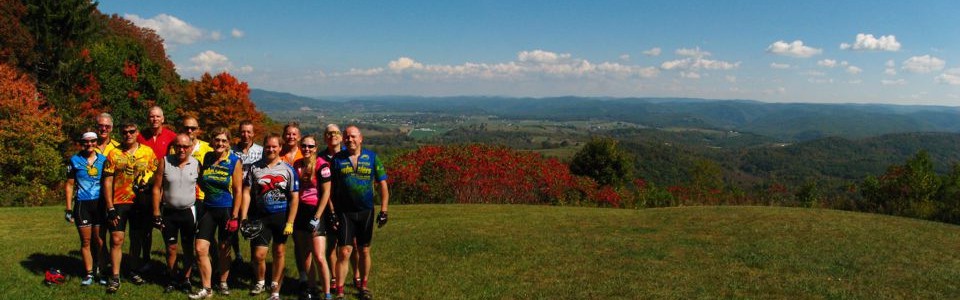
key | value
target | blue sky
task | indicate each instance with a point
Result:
(900, 52)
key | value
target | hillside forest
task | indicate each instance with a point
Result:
(63, 62)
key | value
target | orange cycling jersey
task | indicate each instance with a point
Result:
(132, 173)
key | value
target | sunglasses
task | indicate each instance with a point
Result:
(104, 126)
(184, 146)
(131, 131)
(305, 146)
(332, 133)
(190, 128)
(88, 141)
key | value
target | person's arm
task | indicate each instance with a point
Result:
(68, 189)
(158, 186)
(236, 180)
(108, 190)
(384, 195)
(245, 202)
(324, 201)
(292, 214)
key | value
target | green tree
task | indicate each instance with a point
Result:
(906, 190)
(604, 161)
(59, 28)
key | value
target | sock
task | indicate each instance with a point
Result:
(303, 276)
(261, 282)
(364, 285)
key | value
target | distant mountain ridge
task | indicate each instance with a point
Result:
(782, 121)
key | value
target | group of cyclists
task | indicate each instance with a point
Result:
(201, 195)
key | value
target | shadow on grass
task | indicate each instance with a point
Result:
(38, 263)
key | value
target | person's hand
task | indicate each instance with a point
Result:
(288, 230)
(381, 219)
(314, 224)
(232, 225)
(68, 215)
(158, 222)
(333, 223)
(113, 216)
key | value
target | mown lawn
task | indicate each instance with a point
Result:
(543, 252)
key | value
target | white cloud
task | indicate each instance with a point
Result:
(652, 52)
(890, 64)
(820, 80)
(696, 60)
(731, 79)
(855, 81)
(540, 56)
(829, 63)
(890, 71)
(216, 35)
(625, 57)
(696, 52)
(951, 77)
(213, 62)
(854, 70)
(794, 49)
(779, 66)
(893, 82)
(170, 28)
(237, 33)
(923, 64)
(868, 42)
(690, 75)
(529, 63)
(814, 73)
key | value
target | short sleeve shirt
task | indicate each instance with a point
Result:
(272, 186)
(308, 188)
(113, 144)
(252, 155)
(353, 186)
(87, 176)
(217, 180)
(180, 184)
(130, 171)
(161, 143)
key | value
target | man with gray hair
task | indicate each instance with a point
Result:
(105, 142)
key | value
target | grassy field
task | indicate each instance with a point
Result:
(541, 252)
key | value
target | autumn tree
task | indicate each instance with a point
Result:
(906, 190)
(16, 42)
(221, 100)
(30, 133)
(123, 71)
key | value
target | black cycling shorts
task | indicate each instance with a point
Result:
(214, 222)
(356, 225)
(124, 213)
(180, 222)
(88, 213)
(272, 230)
(304, 214)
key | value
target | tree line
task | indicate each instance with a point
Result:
(64, 62)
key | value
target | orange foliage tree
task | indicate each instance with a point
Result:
(30, 133)
(220, 100)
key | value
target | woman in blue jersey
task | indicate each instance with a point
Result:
(221, 177)
(83, 186)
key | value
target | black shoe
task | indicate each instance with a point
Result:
(114, 285)
(136, 278)
(365, 294)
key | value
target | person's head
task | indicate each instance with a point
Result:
(291, 134)
(271, 147)
(182, 146)
(246, 132)
(155, 117)
(352, 138)
(221, 139)
(308, 146)
(87, 140)
(190, 126)
(128, 133)
(332, 136)
(104, 126)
